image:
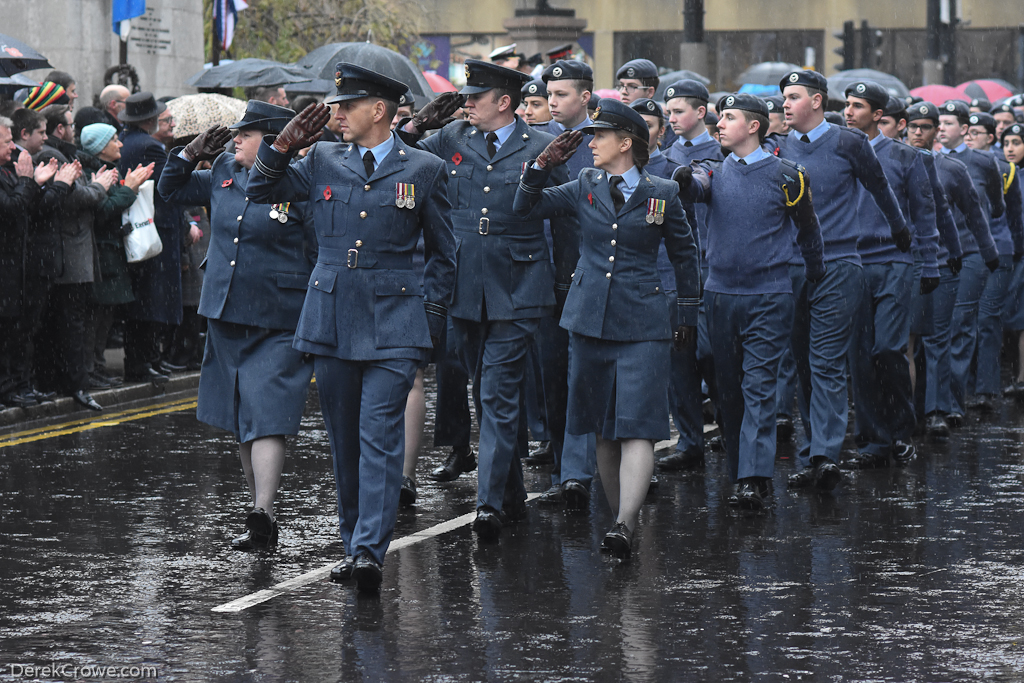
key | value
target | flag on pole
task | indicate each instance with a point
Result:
(225, 12)
(124, 11)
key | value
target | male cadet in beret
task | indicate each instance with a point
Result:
(570, 84)
(982, 168)
(776, 117)
(977, 250)
(837, 160)
(979, 104)
(366, 319)
(1008, 233)
(752, 198)
(506, 283)
(882, 389)
(1005, 117)
(638, 79)
(406, 108)
(535, 100)
(686, 105)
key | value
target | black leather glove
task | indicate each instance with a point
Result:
(209, 144)
(683, 176)
(902, 240)
(438, 112)
(560, 149)
(929, 284)
(683, 336)
(303, 130)
(993, 265)
(955, 263)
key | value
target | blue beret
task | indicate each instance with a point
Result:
(687, 88)
(923, 110)
(955, 108)
(870, 91)
(983, 119)
(483, 76)
(568, 70)
(637, 68)
(535, 88)
(774, 104)
(354, 82)
(981, 103)
(744, 101)
(711, 118)
(647, 107)
(895, 107)
(614, 115)
(804, 77)
(1014, 129)
(1003, 108)
(264, 116)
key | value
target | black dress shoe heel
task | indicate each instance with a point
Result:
(577, 497)
(407, 496)
(261, 532)
(487, 524)
(619, 541)
(367, 573)
(343, 570)
(459, 460)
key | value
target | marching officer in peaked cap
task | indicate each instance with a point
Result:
(366, 319)
(505, 282)
(253, 382)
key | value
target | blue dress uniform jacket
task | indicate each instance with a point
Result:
(365, 301)
(503, 257)
(256, 267)
(616, 292)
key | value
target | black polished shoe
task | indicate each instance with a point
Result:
(21, 399)
(618, 541)
(936, 426)
(733, 500)
(802, 479)
(261, 532)
(367, 573)
(407, 496)
(552, 497)
(680, 460)
(826, 475)
(145, 374)
(903, 453)
(577, 496)
(867, 461)
(86, 400)
(542, 455)
(44, 396)
(343, 570)
(168, 367)
(955, 420)
(751, 494)
(487, 524)
(460, 460)
(783, 429)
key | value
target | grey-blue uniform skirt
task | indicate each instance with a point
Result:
(253, 383)
(619, 390)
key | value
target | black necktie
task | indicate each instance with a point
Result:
(368, 163)
(617, 199)
(492, 138)
(804, 138)
(743, 162)
(687, 144)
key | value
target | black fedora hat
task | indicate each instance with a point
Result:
(141, 106)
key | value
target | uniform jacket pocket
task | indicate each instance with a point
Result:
(399, 318)
(329, 206)
(318, 322)
(533, 282)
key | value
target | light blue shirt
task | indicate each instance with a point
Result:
(630, 180)
(814, 133)
(379, 152)
(503, 134)
(875, 140)
(753, 157)
(705, 136)
(958, 149)
(579, 126)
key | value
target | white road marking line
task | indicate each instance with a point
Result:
(323, 572)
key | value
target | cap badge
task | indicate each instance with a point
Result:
(631, 72)
(730, 100)
(770, 105)
(467, 72)
(338, 80)
(670, 93)
(557, 71)
(923, 109)
(651, 106)
(532, 89)
(861, 87)
(950, 107)
(974, 120)
(794, 77)
(597, 113)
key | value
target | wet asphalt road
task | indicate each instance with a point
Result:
(113, 552)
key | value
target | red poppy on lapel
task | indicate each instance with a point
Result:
(227, 183)
(457, 159)
(590, 198)
(327, 193)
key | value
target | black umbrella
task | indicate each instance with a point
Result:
(249, 73)
(839, 82)
(9, 86)
(320, 63)
(667, 79)
(16, 56)
(766, 73)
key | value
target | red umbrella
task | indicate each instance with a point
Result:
(937, 94)
(990, 90)
(438, 83)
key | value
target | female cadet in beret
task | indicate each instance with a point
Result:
(1012, 142)
(253, 382)
(616, 311)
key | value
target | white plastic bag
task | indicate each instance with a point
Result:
(141, 240)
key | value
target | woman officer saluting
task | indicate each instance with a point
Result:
(616, 309)
(253, 382)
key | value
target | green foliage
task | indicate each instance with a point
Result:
(285, 30)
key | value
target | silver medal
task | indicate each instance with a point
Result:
(282, 218)
(274, 214)
(410, 203)
(659, 219)
(401, 202)
(649, 218)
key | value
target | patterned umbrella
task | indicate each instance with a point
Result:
(992, 90)
(16, 56)
(195, 113)
(937, 94)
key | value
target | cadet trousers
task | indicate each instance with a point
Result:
(495, 352)
(990, 327)
(882, 396)
(964, 335)
(750, 333)
(684, 392)
(936, 344)
(822, 328)
(363, 404)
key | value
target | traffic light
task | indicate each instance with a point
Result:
(848, 36)
(870, 46)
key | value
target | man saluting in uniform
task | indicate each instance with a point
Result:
(366, 319)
